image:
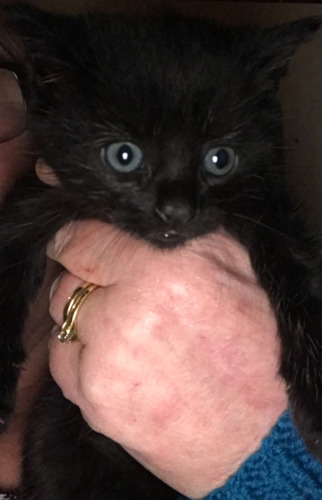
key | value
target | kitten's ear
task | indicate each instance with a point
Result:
(28, 23)
(278, 45)
(48, 43)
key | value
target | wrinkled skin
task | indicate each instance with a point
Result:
(177, 357)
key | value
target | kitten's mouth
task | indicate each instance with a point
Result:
(168, 239)
(172, 233)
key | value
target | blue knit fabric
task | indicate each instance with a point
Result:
(281, 470)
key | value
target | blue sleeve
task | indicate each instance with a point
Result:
(282, 469)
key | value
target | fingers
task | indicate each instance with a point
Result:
(96, 252)
(67, 354)
(78, 366)
(62, 289)
(46, 174)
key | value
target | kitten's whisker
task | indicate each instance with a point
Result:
(108, 128)
(257, 222)
(53, 78)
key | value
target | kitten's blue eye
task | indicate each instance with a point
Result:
(220, 161)
(122, 156)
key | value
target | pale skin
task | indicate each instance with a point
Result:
(177, 352)
(177, 357)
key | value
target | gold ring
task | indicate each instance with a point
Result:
(68, 332)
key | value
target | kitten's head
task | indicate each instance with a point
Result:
(168, 126)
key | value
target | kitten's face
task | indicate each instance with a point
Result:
(167, 129)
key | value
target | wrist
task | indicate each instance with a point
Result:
(282, 468)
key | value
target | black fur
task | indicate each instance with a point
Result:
(175, 87)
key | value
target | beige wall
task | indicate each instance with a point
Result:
(301, 93)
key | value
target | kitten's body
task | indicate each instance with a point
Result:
(182, 91)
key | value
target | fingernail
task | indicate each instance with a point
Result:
(60, 241)
(46, 173)
(55, 285)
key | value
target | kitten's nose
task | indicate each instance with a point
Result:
(177, 210)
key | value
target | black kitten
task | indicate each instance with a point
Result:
(169, 128)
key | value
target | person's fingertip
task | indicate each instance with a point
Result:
(59, 242)
(46, 174)
(55, 285)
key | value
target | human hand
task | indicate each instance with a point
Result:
(177, 357)
(14, 161)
